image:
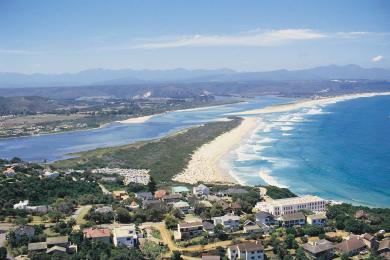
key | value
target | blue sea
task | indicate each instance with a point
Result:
(339, 151)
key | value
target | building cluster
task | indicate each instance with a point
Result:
(140, 176)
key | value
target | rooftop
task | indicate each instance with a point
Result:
(180, 189)
(350, 244)
(125, 231)
(190, 224)
(96, 232)
(292, 216)
(57, 240)
(294, 200)
(317, 216)
(248, 246)
(318, 246)
(37, 246)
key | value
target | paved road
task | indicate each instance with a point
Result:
(79, 214)
(4, 227)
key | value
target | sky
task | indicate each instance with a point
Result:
(68, 36)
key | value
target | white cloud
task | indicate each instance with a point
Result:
(20, 51)
(377, 58)
(254, 38)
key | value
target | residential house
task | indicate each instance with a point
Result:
(201, 190)
(361, 214)
(264, 218)
(172, 198)
(231, 191)
(159, 194)
(208, 227)
(98, 234)
(104, 210)
(247, 250)
(62, 241)
(125, 236)
(147, 204)
(41, 209)
(22, 205)
(351, 246)
(292, 219)
(230, 223)
(144, 196)
(183, 206)
(321, 249)
(133, 205)
(370, 240)
(384, 248)
(188, 230)
(180, 189)
(317, 219)
(280, 207)
(9, 172)
(25, 230)
(38, 247)
(56, 250)
(120, 194)
(51, 175)
(250, 227)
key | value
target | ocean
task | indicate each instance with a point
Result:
(339, 151)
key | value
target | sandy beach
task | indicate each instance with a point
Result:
(307, 103)
(136, 120)
(204, 165)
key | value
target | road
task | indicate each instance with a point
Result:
(104, 190)
(80, 213)
(5, 227)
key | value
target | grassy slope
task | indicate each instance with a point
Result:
(164, 157)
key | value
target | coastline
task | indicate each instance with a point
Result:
(204, 165)
(307, 103)
(136, 120)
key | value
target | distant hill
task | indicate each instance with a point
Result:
(127, 76)
(26, 105)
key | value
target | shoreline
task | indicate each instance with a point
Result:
(207, 163)
(307, 103)
(204, 164)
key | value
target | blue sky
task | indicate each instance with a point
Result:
(68, 36)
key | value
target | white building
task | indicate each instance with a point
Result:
(125, 236)
(246, 250)
(21, 205)
(201, 190)
(292, 205)
(229, 222)
(316, 219)
(51, 175)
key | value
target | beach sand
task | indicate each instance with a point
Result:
(307, 103)
(136, 120)
(204, 165)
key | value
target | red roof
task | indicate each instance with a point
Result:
(160, 193)
(96, 232)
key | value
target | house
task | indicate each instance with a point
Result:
(172, 198)
(384, 248)
(22, 205)
(119, 194)
(56, 250)
(183, 206)
(38, 247)
(188, 230)
(231, 191)
(152, 204)
(180, 189)
(144, 196)
(321, 249)
(247, 250)
(9, 172)
(351, 246)
(159, 194)
(316, 219)
(125, 236)
(264, 218)
(229, 222)
(292, 219)
(201, 190)
(51, 175)
(280, 207)
(250, 227)
(133, 205)
(62, 241)
(98, 234)
(25, 230)
(361, 214)
(235, 207)
(208, 227)
(42, 209)
(370, 240)
(104, 210)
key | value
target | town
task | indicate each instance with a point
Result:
(113, 213)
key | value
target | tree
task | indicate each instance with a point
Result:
(170, 221)
(3, 253)
(344, 257)
(290, 241)
(301, 254)
(152, 185)
(123, 215)
(176, 256)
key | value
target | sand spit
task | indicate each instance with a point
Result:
(204, 165)
(136, 120)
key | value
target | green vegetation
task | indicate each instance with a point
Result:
(165, 157)
(372, 220)
(279, 193)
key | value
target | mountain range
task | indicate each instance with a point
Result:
(129, 76)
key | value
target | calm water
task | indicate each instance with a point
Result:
(341, 151)
(56, 146)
